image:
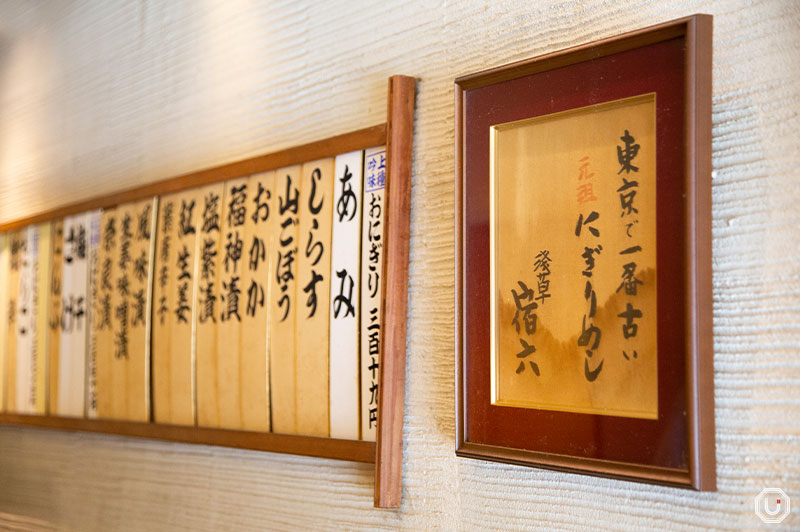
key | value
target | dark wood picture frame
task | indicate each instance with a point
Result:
(674, 60)
(387, 451)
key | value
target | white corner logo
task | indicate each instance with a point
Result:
(772, 505)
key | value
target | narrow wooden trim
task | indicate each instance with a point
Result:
(571, 464)
(460, 235)
(391, 391)
(356, 451)
(330, 147)
(576, 54)
(699, 312)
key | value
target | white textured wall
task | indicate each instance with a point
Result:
(103, 95)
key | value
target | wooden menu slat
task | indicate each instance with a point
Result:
(229, 326)
(182, 312)
(163, 305)
(102, 317)
(254, 394)
(173, 307)
(54, 316)
(313, 297)
(209, 251)
(283, 301)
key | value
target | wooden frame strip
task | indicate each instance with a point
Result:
(699, 304)
(356, 451)
(391, 390)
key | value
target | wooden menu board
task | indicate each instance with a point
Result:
(115, 371)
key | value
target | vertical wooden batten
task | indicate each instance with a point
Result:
(391, 390)
(699, 311)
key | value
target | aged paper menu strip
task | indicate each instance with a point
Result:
(371, 286)
(24, 398)
(209, 251)
(74, 301)
(256, 284)
(39, 365)
(283, 302)
(95, 219)
(574, 277)
(54, 315)
(313, 297)
(345, 287)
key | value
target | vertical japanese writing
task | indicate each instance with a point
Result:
(108, 245)
(371, 292)
(18, 247)
(54, 319)
(95, 233)
(314, 248)
(184, 262)
(123, 287)
(207, 249)
(346, 209)
(626, 153)
(26, 324)
(231, 278)
(73, 305)
(346, 412)
(288, 205)
(591, 335)
(257, 250)
(164, 254)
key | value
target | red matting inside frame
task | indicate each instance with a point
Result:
(663, 442)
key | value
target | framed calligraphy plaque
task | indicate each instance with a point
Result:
(583, 259)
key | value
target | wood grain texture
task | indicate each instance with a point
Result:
(392, 372)
(253, 350)
(283, 298)
(313, 297)
(209, 251)
(93, 101)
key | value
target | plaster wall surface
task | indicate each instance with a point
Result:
(97, 97)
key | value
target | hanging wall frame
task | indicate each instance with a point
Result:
(584, 311)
